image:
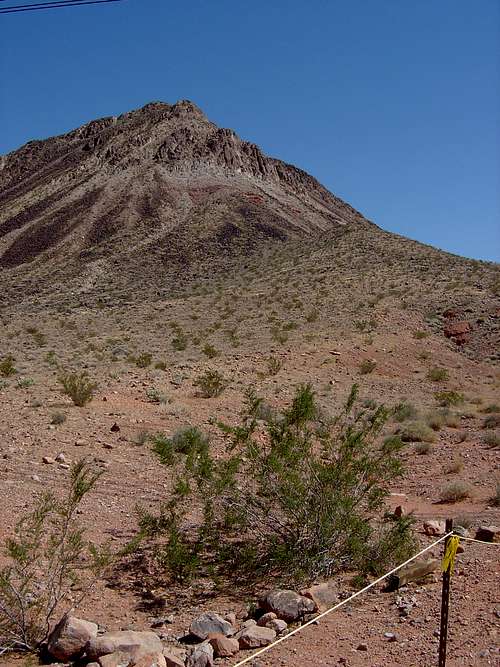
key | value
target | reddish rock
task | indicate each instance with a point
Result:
(457, 329)
(224, 647)
(255, 637)
(323, 595)
(69, 637)
(488, 534)
(288, 605)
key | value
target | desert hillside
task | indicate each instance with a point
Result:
(151, 249)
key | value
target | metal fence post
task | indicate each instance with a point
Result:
(445, 603)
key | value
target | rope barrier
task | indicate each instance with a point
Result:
(341, 604)
(472, 539)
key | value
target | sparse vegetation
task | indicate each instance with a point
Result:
(367, 366)
(7, 367)
(211, 384)
(492, 440)
(46, 559)
(78, 386)
(404, 411)
(58, 418)
(455, 492)
(448, 398)
(143, 360)
(423, 448)
(416, 432)
(210, 351)
(438, 374)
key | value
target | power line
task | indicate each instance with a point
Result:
(57, 4)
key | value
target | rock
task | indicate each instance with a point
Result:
(287, 605)
(224, 647)
(161, 621)
(323, 595)
(434, 528)
(115, 428)
(458, 331)
(127, 641)
(208, 623)
(151, 660)
(277, 625)
(69, 638)
(60, 458)
(48, 460)
(265, 618)
(390, 636)
(35, 478)
(255, 637)
(231, 618)
(202, 656)
(249, 622)
(117, 659)
(488, 534)
(172, 660)
(362, 647)
(80, 443)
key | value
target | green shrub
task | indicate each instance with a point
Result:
(7, 367)
(456, 491)
(447, 398)
(179, 342)
(24, 383)
(420, 334)
(492, 440)
(143, 360)
(210, 351)
(161, 366)
(367, 366)
(58, 418)
(454, 467)
(416, 432)
(78, 387)
(492, 421)
(490, 409)
(285, 498)
(155, 395)
(404, 411)
(438, 374)
(211, 384)
(49, 561)
(274, 365)
(423, 448)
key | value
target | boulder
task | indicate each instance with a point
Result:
(224, 647)
(202, 656)
(488, 534)
(255, 637)
(287, 605)
(434, 528)
(126, 641)
(265, 618)
(456, 329)
(210, 623)
(151, 660)
(116, 659)
(134, 658)
(277, 625)
(173, 660)
(323, 595)
(69, 638)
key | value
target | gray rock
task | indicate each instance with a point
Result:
(69, 638)
(202, 656)
(255, 637)
(210, 623)
(127, 641)
(287, 605)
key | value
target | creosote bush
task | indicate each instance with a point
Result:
(456, 491)
(46, 558)
(78, 386)
(438, 374)
(7, 367)
(211, 384)
(287, 498)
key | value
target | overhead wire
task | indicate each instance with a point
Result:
(55, 4)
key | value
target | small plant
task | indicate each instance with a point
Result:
(492, 440)
(210, 351)
(211, 384)
(455, 492)
(57, 418)
(492, 421)
(78, 387)
(274, 365)
(189, 441)
(367, 366)
(142, 437)
(155, 395)
(179, 341)
(438, 374)
(46, 558)
(447, 398)
(454, 467)
(420, 334)
(423, 448)
(24, 383)
(416, 432)
(143, 360)
(312, 315)
(404, 411)
(51, 358)
(491, 409)
(161, 366)
(7, 367)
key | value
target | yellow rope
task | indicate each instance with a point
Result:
(472, 539)
(340, 604)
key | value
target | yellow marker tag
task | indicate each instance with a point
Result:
(450, 553)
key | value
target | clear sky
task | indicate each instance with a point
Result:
(394, 105)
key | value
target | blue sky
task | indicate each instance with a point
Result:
(393, 105)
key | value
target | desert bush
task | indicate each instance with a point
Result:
(492, 421)
(58, 418)
(453, 467)
(416, 432)
(491, 409)
(154, 395)
(24, 383)
(274, 365)
(447, 398)
(420, 334)
(78, 386)
(7, 367)
(404, 411)
(142, 437)
(286, 497)
(423, 448)
(143, 360)
(312, 315)
(46, 560)
(211, 384)
(456, 491)
(210, 351)
(179, 341)
(438, 374)
(161, 366)
(367, 366)
(492, 440)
